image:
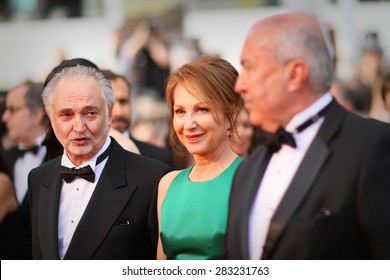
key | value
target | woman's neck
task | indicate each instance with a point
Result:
(207, 168)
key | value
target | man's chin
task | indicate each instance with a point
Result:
(119, 127)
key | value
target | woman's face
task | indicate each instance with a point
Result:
(195, 125)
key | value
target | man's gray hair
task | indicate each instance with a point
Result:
(301, 43)
(79, 71)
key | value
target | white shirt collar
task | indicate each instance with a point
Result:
(38, 141)
(310, 111)
(126, 133)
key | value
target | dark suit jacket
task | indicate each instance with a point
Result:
(162, 154)
(15, 230)
(337, 205)
(15, 234)
(120, 221)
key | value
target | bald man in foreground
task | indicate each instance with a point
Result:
(319, 187)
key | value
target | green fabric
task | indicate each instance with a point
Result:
(194, 214)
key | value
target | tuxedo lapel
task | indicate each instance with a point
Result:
(303, 180)
(300, 185)
(250, 177)
(50, 192)
(107, 202)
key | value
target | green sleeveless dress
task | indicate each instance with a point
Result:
(194, 215)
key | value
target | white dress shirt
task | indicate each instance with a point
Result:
(24, 165)
(75, 197)
(279, 174)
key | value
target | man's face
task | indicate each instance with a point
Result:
(261, 83)
(18, 117)
(121, 112)
(387, 101)
(79, 117)
(371, 64)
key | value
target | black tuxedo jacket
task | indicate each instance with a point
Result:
(338, 203)
(120, 221)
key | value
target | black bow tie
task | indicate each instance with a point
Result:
(69, 174)
(86, 172)
(274, 141)
(21, 152)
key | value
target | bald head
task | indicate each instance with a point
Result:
(283, 26)
(291, 20)
(286, 67)
(296, 35)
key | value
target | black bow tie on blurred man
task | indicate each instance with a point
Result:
(21, 152)
(274, 141)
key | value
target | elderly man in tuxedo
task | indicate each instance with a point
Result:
(96, 201)
(319, 186)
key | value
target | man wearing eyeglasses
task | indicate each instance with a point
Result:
(26, 123)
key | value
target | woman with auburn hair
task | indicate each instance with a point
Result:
(192, 203)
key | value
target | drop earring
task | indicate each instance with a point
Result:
(229, 134)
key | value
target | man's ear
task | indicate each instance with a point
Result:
(298, 73)
(38, 115)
